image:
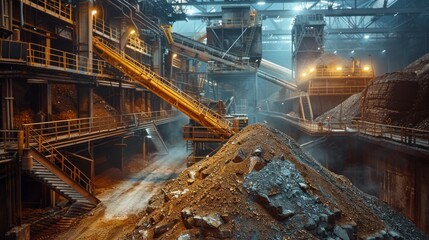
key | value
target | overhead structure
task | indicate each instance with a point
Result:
(307, 40)
(167, 33)
(164, 89)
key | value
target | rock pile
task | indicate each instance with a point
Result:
(261, 185)
(398, 98)
(346, 111)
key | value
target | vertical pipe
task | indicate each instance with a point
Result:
(21, 8)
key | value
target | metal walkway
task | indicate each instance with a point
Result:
(163, 89)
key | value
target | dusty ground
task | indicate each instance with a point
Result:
(125, 194)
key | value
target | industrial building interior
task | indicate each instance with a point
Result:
(115, 111)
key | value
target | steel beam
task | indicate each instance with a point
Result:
(236, 2)
(325, 12)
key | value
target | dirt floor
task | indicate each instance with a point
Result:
(124, 194)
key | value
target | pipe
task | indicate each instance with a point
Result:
(281, 71)
(21, 8)
(6, 161)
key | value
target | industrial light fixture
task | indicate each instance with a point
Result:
(339, 68)
(366, 36)
(93, 12)
(260, 2)
(311, 69)
(335, 52)
(133, 32)
(353, 51)
(366, 68)
(174, 55)
(297, 8)
(396, 14)
(383, 51)
(304, 74)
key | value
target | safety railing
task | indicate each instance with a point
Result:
(62, 130)
(58, 159)
(13, 51)
(113, 33)
(139, 45)
(106, 30)
(340, 72)
(160, 84)
(199, 133)
(57, 8)
(409, 136)
(41, 56)
(332, 90)
(9, 139)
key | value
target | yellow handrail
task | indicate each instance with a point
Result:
(56, 8)
(111, 32)
(71, 128)
(59, 159)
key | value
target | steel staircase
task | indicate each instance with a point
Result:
(157, 140)
(48, 165)
(249, 41)
(75, 189)
(163, 89)
(306, 110)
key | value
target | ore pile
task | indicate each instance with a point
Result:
(400, 98)
(346, 111)
(261, 185)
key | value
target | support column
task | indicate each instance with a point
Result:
(49, 101)
(157, 57)
(133, 99)
(85, 101)
(85, 34)
(7, 104)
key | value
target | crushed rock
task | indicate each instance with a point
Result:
(398, 98)
(346, 111)
(290, 196)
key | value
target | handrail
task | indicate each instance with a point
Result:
(71, 128)
(41, 56)
(410, 136)
(113, 33)
(56, 8)
(56, 157)
(9, 138)
(343, 72)
(153, 81)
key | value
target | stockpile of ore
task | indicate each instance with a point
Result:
(400, 98)
(346, 111)
(65, 103)
(261, 185)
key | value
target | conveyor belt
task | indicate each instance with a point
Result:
(164, 89)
